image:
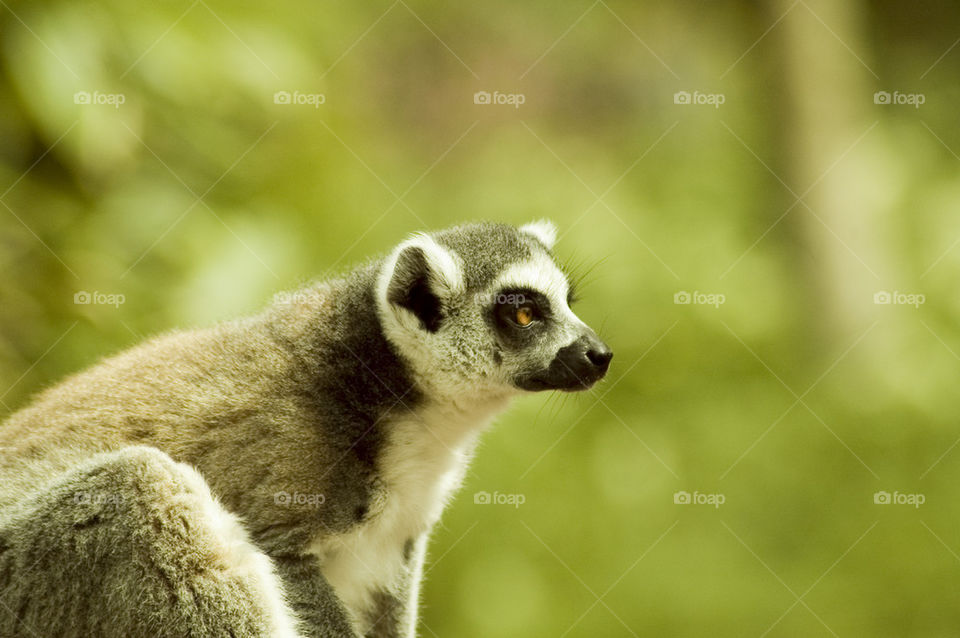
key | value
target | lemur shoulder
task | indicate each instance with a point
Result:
(279, 475)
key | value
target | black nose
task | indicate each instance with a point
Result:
(600, 356)
(576, 366)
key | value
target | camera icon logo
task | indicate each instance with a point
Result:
(82, 298)
(681, 97)
(281, 97)
(282, 498)
(882, 297)
(881, 498)
(682, 298)
(881, 97)
(81, 97)
(482, 498)
(681, 498)
(481, 97)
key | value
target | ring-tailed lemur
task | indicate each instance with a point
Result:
(278, 475)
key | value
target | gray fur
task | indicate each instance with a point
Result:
(106, 529)
(489, 249)
(120, 546)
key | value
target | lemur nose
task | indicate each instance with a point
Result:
(600, 356)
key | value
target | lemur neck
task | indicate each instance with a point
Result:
(457, 421)
(344, 360)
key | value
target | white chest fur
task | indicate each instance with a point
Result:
(421, 465)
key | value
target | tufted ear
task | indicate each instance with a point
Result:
(420, 276)
(543, 231)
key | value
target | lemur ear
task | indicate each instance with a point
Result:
(423, 276)
(543, 230)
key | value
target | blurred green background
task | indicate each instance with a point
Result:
(814, 172)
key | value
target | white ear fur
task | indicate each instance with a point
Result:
(445, 270)
(543, 230)
(446, 275)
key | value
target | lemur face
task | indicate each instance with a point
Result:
(484, 308)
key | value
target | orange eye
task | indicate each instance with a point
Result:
(524, 315)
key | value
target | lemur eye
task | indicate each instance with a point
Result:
(524, 315)
(520, 308)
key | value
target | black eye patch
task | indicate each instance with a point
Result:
(518, 314)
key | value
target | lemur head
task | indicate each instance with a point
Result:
(484, 308)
